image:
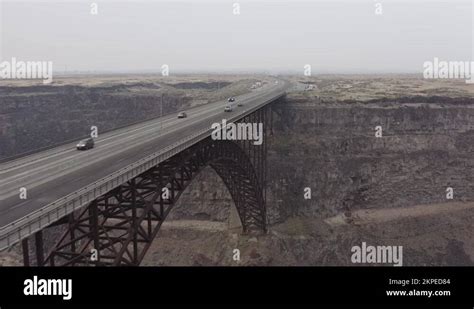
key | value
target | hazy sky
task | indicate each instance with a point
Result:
(275, 36)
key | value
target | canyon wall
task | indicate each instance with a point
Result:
(426, 146)
(36, 117)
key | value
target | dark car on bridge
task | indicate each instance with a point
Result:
(231, 99)
(85, 144)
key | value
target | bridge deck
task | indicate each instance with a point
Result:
(55, 173)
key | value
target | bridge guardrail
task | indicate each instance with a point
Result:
(14, 232)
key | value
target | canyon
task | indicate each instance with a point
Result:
(388, 191)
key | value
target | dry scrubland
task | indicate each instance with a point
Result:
(388, 191)
(332, 88)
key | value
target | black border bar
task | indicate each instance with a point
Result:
(244, 285)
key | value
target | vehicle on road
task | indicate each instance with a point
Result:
(231, 99)
(239, 104)
(182, 115)
(228, 108)
(85, 144)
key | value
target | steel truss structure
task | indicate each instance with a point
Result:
(119, 227)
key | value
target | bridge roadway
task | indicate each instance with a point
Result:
(55, 173)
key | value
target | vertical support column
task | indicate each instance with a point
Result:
(244, 206)
(182, 178)
(161, 192)
(94, 226)
(259, 168)
(257, 148)
(150, 213)
(171, 199)
(264, 163)
(26, 252)
(133, 188)
(271, 122)
(72, 232)
(39, 248)
(242, 143)
(254, 148)
(248, 142)
(261, 152)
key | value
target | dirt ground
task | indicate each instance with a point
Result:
(439, 234)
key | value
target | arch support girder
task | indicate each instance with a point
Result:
(119, 227)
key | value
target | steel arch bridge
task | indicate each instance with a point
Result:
(119, 227)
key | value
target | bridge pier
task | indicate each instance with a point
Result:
(39, 248)
(26, 252)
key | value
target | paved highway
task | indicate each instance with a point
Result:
(57, 172)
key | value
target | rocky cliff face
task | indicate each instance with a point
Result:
(332, 149)
(382, 191)
(38, 116)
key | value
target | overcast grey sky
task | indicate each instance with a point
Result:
(273, 36)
